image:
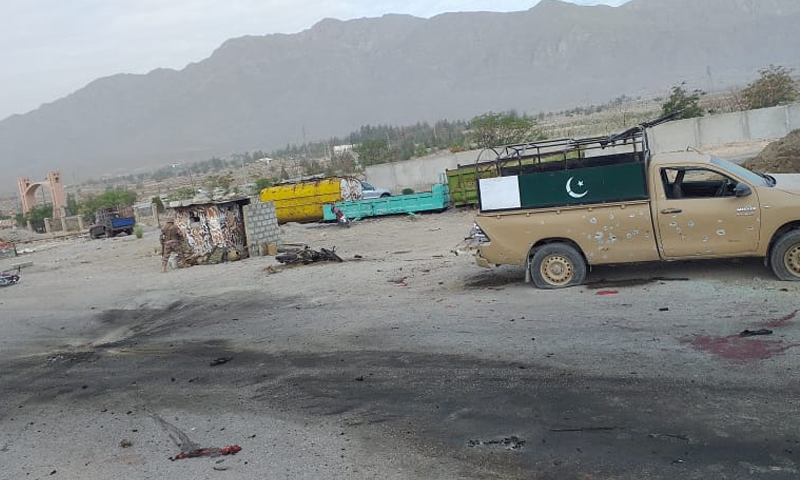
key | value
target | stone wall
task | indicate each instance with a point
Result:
(261, 226)
(73, 224)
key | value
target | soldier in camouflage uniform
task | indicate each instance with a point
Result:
(171, 241)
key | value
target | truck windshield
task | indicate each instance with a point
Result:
(742, 172)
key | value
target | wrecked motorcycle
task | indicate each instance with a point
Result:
(308, 255)
(9, 277)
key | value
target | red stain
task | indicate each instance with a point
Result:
(739, 348)
(781, 322)
(607, 292)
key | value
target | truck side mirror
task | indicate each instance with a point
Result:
(742, 190)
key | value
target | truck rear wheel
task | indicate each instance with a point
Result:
(785, 256)
(557, 265)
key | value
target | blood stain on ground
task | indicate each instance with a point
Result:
(781, 322)
(740, 349)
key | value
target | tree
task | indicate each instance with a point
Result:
(222, 182)
(492, 129)
(159, 204)
(73, 207)
(342, 164)
(774, 86)
(36, 216)
(374, 152)
(680, 100)
(111, 198)
(183, 193)
(264, 182)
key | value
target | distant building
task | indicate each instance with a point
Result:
(341, 149)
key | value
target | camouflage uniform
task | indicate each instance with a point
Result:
(171, 242)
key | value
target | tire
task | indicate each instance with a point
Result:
(385, 195)
(785, 256)
(557, 265)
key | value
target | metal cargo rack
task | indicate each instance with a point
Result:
(568, 153)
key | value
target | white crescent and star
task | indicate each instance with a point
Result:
(571, 192)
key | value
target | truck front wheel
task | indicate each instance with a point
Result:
(557, 265)
(785, 256)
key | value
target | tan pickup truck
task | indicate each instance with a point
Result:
(559, 207)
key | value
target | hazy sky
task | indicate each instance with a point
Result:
(50, 48)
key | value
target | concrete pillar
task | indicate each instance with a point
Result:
(63, 224)
(29, 226)
(154, 208)
(80, 223)
(47, 227)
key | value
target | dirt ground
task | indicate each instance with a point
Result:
(405, 361)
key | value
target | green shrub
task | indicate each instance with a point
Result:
(138, 231)
(408, 191)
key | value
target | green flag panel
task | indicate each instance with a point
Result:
(583, 185)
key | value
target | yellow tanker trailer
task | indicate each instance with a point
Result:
(302, 201)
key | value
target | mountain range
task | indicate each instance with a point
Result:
(264, 92)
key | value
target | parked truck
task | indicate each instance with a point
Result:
(607, 200)
(109, 222)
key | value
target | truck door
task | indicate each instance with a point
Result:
(699, 214)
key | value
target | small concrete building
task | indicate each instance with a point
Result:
(244, 225)
(212, 224)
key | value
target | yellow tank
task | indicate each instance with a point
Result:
(302, 201)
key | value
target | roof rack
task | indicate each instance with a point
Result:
(567, 153)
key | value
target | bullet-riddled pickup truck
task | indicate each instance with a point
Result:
(560, 206)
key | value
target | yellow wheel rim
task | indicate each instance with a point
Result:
(792, 260)
(557, 270)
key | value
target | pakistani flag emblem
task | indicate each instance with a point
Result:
(572, 193)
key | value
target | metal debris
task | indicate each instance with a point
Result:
(308, 255)
(220, 361)
(752, 333)
(208, 452)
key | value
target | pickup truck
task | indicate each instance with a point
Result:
(559, 207)
(109, 222)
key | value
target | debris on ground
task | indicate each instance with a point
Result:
(208, 452)
(220, 361)
(607, 292)
(512, 443)
(752, 333)
(308, 255)
(21, 235)
(271, 269)
(9, 277)
(780, 156)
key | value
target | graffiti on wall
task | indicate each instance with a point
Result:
(212, 225)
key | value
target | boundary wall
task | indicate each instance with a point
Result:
(702, 133)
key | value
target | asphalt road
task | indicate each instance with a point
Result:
(407, 365)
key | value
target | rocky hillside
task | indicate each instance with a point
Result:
(263, 92)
